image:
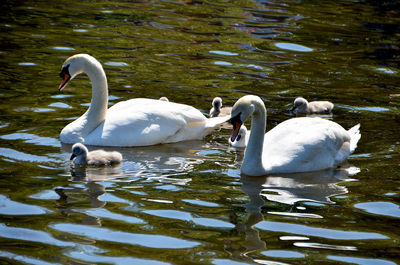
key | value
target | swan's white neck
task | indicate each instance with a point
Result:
(252, 162)
(98, 106)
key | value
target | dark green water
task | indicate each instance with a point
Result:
(186, 203)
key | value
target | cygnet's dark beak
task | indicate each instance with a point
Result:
(64, 74)
(293, 109)
(72, 156)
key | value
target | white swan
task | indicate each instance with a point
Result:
(135, 122)
(295, 145)
(301, 105)
(241, 139)
(217, 110)
(98, 157)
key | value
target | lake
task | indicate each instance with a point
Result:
(186, 203)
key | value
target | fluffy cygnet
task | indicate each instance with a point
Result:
(241, 139)
(98, 157)
(217, 110)
(302, 106)
(164, 99)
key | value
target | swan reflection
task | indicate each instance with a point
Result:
(87, 173)
(84, 191)
(72, 198)
(288, 189)
(316, 186)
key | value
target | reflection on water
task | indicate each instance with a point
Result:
(290, 188)
(10, 207)
(380, 208)
(316, 186)
(308, 186)
(293, 47)
(146, 240)
(88, 173)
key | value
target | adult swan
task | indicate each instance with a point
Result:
(295, 145)
(135, 122)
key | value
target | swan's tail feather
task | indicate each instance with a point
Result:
(355, 136)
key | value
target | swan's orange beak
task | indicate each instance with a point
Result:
(236, 127)
(66, 77)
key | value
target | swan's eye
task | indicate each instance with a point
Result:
(64, 70)
(235, 119)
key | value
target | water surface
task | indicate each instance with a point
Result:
(186, 203)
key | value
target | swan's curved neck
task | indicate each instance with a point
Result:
(253, 155)
(98, 106)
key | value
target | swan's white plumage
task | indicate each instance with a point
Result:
(135, 122)
(149, 122)
(295, 145)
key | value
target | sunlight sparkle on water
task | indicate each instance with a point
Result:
(293, 47)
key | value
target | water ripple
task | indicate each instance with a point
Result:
(20, 156)
(303, 215)
(24, 259)
(361, 261)
(10, 207)
(225, 53)
(59, 48)
(60, 105)
(380, 208)
(185, 216)
(37, 110)
(104, 234)
(27, 64)
(293, 47)
(359, 108)
(323, 246)
(32, 139)
(104, 213)
(45, 195)
(316, 231)
(201, 203)
(283, 254)
(116, 64)
(26, 234)
(98, 259)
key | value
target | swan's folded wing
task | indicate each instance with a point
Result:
(140, 122)
(306, 144)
